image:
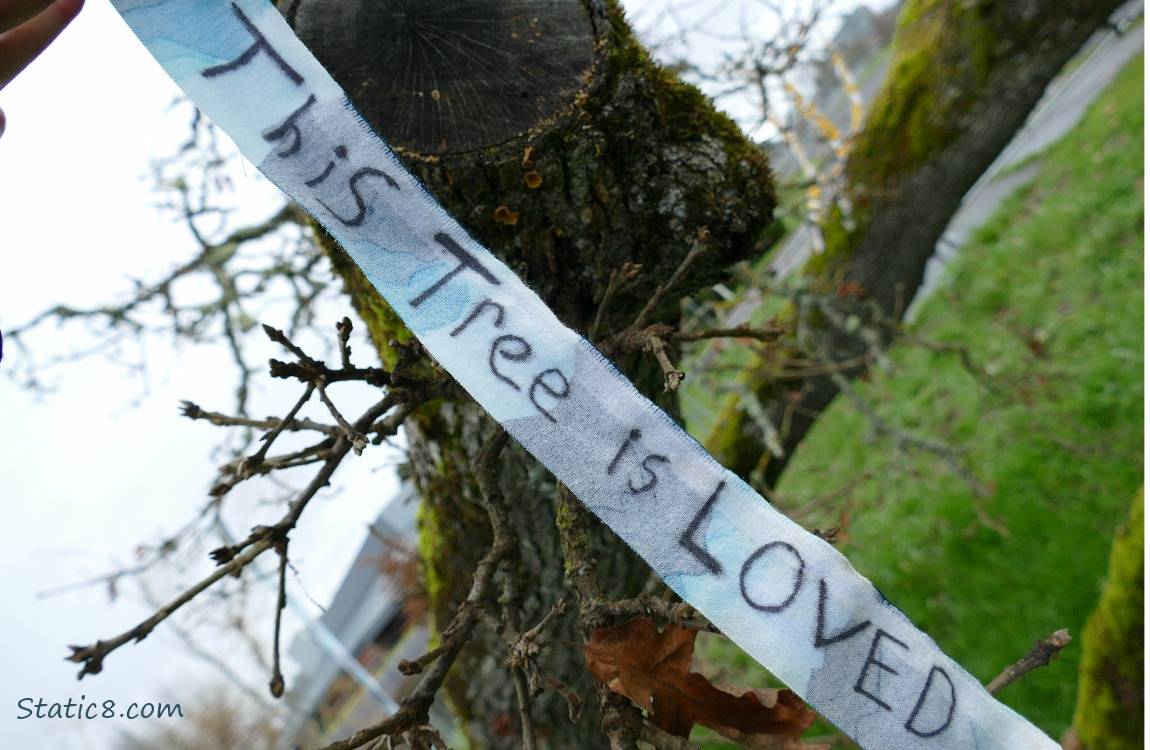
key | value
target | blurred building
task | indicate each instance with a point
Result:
(346, 659)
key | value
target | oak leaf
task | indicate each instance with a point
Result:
(786, 700)
(653, 669)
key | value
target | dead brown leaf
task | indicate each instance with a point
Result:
(653, 669)
(784, 702)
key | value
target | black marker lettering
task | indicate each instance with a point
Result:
(772, 608)
(922, 700)
(688, 543)
(261, 43)
(561, 391)
(878, 636)
(821, 640)
(654, 478)
(484, 305)
(322, 176)
(360, 205)
(522, 355)
(634, 435)
(289, 126)
(466, 260)
(341, 152)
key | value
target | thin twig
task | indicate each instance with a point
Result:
(618, 717)
(281, 338)
(767, 334)
(672, 376)
(277, 682)
(524, 693)
(344, 329)
(558, 608)
(523, 698)
(270, 437)
(1040, 656)
(193, 411)
(92, 657)
(961, 350)
(336, 455)
(357, 439)
(418, 664)
(619, 278)
(698, 246)
(646, 605)
(233, 559)
(413, 710)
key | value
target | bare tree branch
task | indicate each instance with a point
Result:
(1040, 656)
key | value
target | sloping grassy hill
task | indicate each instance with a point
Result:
(1047, 299)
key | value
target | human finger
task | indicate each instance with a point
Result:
(21, 45)
(15, 12)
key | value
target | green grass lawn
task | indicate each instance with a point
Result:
(1048, 299)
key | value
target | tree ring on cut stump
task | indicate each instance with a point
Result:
(444, 77)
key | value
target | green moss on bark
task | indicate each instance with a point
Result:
(943, 52)
(1111, 698)
(384, 325)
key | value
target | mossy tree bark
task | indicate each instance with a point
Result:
(1111, 687)
(963, 78)
(546, 130)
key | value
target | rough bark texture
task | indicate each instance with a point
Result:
(566, 171)
(1111, 687)
(964, 76)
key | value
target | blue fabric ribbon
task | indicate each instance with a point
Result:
(785, 596)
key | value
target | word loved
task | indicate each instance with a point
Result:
(762, 580)
(937, 679)
(643, 475)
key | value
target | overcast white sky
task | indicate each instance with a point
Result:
(83, 478)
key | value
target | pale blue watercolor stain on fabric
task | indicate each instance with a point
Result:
(191, 26)
(189, 35)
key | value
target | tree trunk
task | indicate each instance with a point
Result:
(546, 130)
(1111, 692)
(963, 78)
